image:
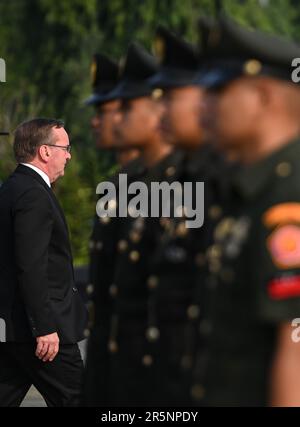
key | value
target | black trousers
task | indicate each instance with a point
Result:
(59, 381)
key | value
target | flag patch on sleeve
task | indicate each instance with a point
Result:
(284, 213)
(284, 287)
(284, 246)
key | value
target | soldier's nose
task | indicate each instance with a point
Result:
(117, 117)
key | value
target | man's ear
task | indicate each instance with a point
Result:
(44, 153)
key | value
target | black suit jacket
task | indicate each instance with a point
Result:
(37, 291)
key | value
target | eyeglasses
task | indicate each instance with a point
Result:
(64, 147)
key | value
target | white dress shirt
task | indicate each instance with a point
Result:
(40, 172)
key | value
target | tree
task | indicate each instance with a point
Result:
(48, 48)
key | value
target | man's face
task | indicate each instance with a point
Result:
(58, 157)
(102, 124)
(231, 114)
(137, 122)
(180, 122)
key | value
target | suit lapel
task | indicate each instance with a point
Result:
(61, 212)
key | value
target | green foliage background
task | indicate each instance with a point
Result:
(47, 47)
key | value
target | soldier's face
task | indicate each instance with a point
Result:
(231, 114)
(180, 122)
(102, 124)
(137, 123)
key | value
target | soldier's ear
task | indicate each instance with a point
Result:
(266, 91)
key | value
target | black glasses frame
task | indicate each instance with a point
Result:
(64, 147)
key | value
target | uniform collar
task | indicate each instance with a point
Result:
(251, 180)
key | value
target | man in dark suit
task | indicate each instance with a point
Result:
(40, 308)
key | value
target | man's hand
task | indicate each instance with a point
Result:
(47, 347)
(285, 375)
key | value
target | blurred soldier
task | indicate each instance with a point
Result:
(138, 66)
(130, 373)
(181, 96)
(105, 73)
(253, 286)
(175, 298)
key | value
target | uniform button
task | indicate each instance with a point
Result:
(214, 212)
(135, 237)
(214, 252)
(86, 333)
(113, 346)
(122, 245)
(181, 230)
(134, 256)
(152, 334)
(105, 220)
(113, 290)
(200, 259)
(147, 360)
(223, 228)
(283, 169)
(165, 223)
(232, 250)
(193, 312)
(205, 328)
(139, 224)
(198, 392)
(91, 244)
(99, 246)
(74, 289)
(90, 289)
(152, 282)
(170, 171)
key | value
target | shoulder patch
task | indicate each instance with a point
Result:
(284, 287)
(283, 213)
(284, 246)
